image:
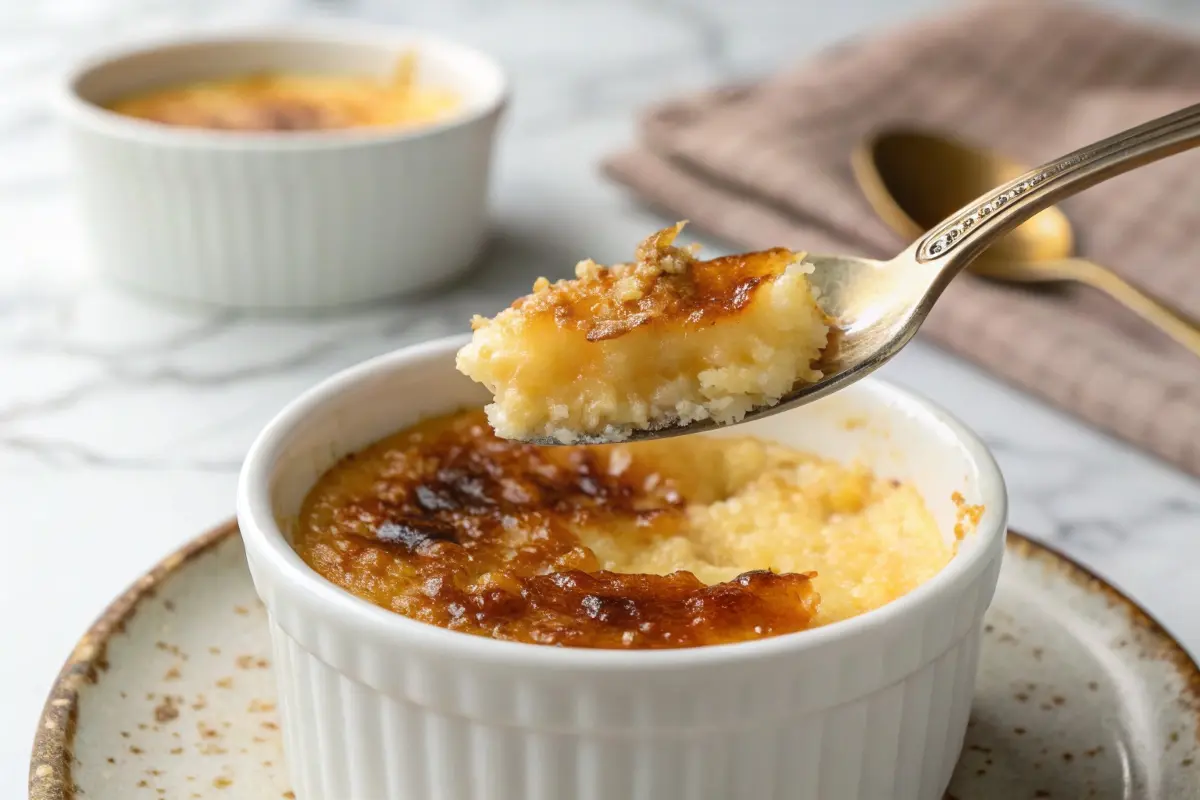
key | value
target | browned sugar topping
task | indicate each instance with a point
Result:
(663, 283)
(452, 526)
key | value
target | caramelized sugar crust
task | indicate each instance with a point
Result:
(664, 284)
(450, 525)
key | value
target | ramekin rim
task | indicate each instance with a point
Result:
(71, 106)
(265, 542)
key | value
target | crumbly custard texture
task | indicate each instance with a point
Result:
(674, 543)
(665, 339)
(281, 102)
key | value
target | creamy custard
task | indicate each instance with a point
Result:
(664, 339)
(674, 543)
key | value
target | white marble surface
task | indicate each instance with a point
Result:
(122, 423)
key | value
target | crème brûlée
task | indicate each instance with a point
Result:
(661, 544)
(295, 102)
(666, 339)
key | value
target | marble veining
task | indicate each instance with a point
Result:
(123, 421)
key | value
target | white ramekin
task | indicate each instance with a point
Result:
(376, 705)
(287, 220)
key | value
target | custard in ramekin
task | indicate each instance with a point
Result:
(271, 205)
(378, 704)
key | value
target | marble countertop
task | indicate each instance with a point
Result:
(123, 423)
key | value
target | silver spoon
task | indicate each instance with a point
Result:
(877, 306)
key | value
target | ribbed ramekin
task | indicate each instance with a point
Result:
(377, 706)
(282, 220)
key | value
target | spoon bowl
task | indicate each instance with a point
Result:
(873, 305)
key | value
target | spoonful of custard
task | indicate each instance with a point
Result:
(669, 344)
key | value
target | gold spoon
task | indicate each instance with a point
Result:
(877, 306)
(914, 179)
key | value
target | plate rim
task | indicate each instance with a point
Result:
(50, 761)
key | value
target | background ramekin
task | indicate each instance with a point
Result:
(286, 220)
(376, 705)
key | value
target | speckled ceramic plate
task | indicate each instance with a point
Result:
(170, 694)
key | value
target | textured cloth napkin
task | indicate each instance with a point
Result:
(769, 164)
